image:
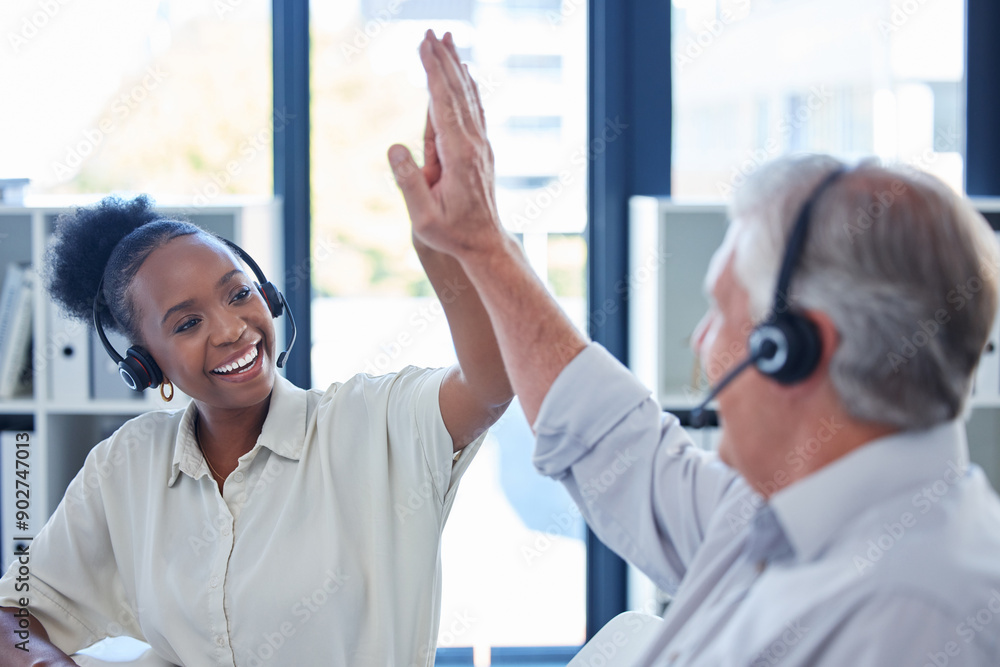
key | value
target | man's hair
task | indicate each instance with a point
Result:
(905, 268)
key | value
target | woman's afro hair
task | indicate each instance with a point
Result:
(109, 241)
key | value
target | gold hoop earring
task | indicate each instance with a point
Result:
(167, 399)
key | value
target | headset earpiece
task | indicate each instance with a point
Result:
(138, 370)
(786, 347)
(272, 297)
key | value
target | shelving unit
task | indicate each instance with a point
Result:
(68, 368)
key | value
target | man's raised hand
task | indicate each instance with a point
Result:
(451, 200)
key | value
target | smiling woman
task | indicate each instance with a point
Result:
(203, 531)
(201, 322)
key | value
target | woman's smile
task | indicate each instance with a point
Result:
(242, 366)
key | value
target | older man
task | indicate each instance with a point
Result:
(840, 522)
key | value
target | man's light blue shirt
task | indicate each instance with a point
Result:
(890, 555)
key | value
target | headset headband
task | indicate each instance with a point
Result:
(797, 241)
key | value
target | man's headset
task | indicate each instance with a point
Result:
(786, 346)
(138, 369)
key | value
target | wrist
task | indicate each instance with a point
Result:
(485, 258)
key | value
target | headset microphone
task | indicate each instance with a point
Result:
(767, 349)
(291, 341)
(786, 346)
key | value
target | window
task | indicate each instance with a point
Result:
(168, 97)
(536, 66)
(757, 79)
(514, 552)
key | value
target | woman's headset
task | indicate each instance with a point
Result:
(137, 368)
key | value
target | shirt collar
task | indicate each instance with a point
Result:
(813, 509)
(283, 432)
(767, 540)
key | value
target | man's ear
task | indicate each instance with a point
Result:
(829, 337)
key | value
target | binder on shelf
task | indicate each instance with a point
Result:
(32, 492)
(66, 353)
(15, 328)
(105, 381)
(11, 286)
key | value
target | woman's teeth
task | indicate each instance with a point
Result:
(241, 365)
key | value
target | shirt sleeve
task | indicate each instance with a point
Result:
(642, 485)
(415, 411)
(75, 590)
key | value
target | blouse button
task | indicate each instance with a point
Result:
(238, 476)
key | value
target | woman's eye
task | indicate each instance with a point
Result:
(242, 294)
(186, 325)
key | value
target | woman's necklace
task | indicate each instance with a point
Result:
(198, 439)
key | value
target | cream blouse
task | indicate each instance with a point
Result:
(323, 549)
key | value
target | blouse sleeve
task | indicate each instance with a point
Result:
(415, 414)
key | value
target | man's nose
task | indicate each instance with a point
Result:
(700, 331)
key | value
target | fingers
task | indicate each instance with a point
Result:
(465, 79)
(479, 101)
(452, 67)
(443, 98)
(451, 102)
(456, 118)
(437, 81)
(410, 179)
(432, 164)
